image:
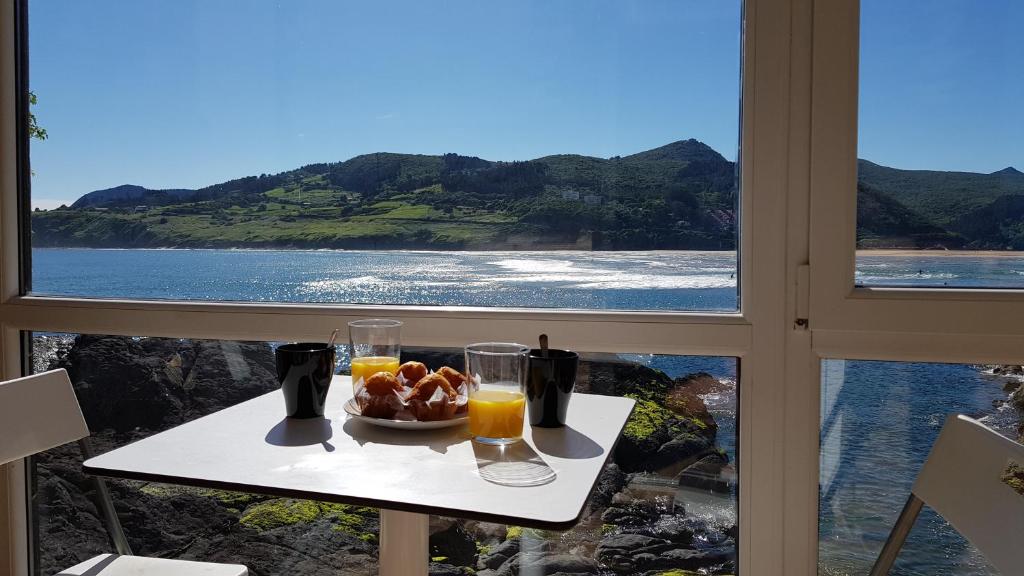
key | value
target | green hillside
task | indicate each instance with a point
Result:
(679, 196)
(941, 196)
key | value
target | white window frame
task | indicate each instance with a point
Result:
(778, 418)
(935, 325)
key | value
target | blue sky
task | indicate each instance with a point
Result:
(942, 84)
(186, 93)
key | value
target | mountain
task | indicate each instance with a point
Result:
(678, 196)
(127, 193)
(884, 222)
(941, 196)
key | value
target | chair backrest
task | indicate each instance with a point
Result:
(37, 413)
(964, 481)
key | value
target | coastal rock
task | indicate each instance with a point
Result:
(445, 569)
(708, 473)
(632, 553)
(126, 383)
(545, 564)
(658, 440)
(454, 544)
(627, 552)
(685, 398)
(686, 559)
(499, 554)
(1017, 399)
(678, 453)
(611, 376)
(611, 480)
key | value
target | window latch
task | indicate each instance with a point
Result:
(803, 297)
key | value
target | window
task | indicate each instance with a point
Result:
(938, 182)
(671, 483)
(798, 292)
(879, 420)
(388, 153)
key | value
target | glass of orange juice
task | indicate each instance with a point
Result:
(375, 345)
(497, 393)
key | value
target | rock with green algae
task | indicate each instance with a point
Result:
(280, 512)
(1013, 477)
(680, 573)
(655, 438)
(225, 497)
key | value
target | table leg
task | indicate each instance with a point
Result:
(403, 543)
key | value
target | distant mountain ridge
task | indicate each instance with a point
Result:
(960, 209)
(127, 192)
(678, 196)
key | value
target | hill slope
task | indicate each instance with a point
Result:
(678, 196)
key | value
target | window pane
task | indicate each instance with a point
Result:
(879, 421)
(388, 152)
(672, 481)
(940, 146)
(665, 504)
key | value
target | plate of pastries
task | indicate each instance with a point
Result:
(415, 398)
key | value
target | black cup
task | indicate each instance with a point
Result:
(305, 370)
(549, 386)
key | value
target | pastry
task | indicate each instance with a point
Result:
(433, 398)
(453, 376)
(380, 396)
(425, 388)
(412, 372)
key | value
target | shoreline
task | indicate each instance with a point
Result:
(886, 252)
(905, 252)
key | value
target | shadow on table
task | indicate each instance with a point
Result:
(566, 442)
(301, 432)
(512, 465)
(437, 440)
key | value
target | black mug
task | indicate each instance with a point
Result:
(305, 370)
(549, 386)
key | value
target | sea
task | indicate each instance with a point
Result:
(879, 419)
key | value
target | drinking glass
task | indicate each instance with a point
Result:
(497, 391)
(375, 345)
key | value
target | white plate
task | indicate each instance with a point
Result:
(353, 410)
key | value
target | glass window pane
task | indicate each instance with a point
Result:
(940, 188)
(878, 423)
(671, 482)
(665, 504)
(388, 152)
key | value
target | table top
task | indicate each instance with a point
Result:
(252, 447)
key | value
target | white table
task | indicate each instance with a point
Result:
(408, 475)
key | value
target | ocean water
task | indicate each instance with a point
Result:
(600, 280)
(933, 269)
(879, 418)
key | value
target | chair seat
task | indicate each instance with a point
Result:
(115, 565)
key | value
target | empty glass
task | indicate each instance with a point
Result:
(497, 392)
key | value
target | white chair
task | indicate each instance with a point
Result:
(41, 412)
(962, 480)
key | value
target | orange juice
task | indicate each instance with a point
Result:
(369, 365)
(496, 414)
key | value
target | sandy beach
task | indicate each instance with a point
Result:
(943, 253)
